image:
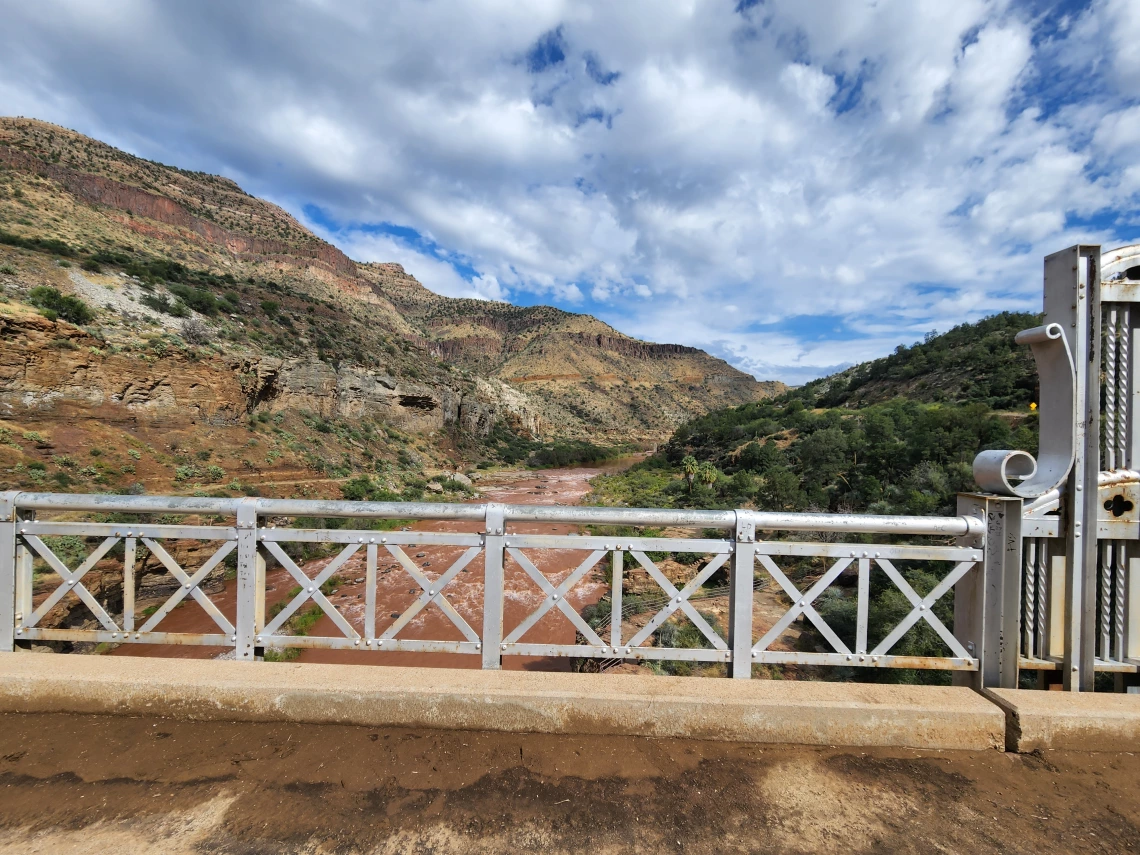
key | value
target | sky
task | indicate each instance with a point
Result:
(792, 185)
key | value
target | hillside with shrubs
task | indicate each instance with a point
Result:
(896, 435)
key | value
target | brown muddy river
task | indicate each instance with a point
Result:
(396, 590)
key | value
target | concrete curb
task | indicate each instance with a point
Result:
(806, 713)
(1071, 721)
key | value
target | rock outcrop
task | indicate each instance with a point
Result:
(52, 365)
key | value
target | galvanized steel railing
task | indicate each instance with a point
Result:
(960, 547)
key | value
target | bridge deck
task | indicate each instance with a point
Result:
(80, 784)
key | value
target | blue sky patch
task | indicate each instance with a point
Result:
(548, 51)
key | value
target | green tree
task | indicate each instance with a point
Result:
(781, 490)
(823, 454)
(690, 467)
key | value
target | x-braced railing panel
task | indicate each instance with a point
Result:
(864, 558)
(120, 625)
(616, 647)
(365, 634)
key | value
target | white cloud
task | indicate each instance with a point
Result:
(889, 166)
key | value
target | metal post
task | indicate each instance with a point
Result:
(1057, 576)
(24, 573)
(8, 570)
(247, 626)
(370, 594)
(862, 605)
(130, 546)
(987, 602)
(1129, 592)
(740, 596)
(493, 540)
(1072, 299)
(616, 582)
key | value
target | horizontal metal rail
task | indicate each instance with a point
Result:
(655, 517)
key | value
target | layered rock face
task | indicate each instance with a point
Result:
(47, 366)
(357, 393)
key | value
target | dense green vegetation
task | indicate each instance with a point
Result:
(972, 363)
(511, 449)
(37, 244)
(820, 447)
(896, 457)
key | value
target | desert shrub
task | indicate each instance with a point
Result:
(185, 473)
(362, 488)
(50, 300)
(198, 299)
(195, 331)
(158, 302)
(51, 245)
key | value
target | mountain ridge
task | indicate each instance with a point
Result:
(212, 310)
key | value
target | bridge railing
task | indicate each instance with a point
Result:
(488, 583)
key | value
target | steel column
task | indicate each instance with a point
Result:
(493, 581)
(247, 587)
(987, 602)
(24, 559)
(740, 597)
(616, 583)
(1132, 618)
(1072, 299)
(130, 545)
(7, 570)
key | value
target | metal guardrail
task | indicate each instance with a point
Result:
(249, 538)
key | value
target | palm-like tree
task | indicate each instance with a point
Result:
(690, 467)
(707, 474)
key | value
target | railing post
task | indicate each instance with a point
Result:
(24, 578)
(8, 570)
(493, 547)
(740, 596)
(247, 576)
(987, 601)
(616, 582)
(1072, 299)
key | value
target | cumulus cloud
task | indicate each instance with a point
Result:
(794, 186)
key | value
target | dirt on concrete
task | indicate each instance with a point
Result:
(80, 784)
